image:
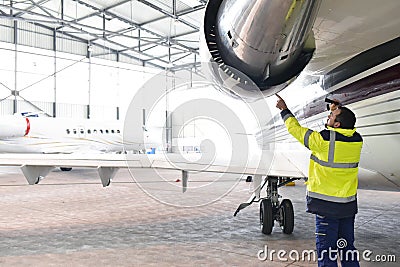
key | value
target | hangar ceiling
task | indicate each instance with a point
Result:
(158, 33)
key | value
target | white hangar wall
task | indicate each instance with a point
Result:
(51, 73)
(66, 85)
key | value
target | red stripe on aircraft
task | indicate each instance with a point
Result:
(28, 126)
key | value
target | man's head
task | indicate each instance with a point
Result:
(341, 117)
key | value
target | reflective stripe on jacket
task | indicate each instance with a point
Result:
(335, 154)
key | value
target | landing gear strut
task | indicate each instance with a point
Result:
(271, 209)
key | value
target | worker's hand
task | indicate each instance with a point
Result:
(333, 106)
(280, 103)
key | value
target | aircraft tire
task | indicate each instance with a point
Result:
(266, 216)
(287, 216)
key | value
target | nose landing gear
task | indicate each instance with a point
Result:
(271, 209)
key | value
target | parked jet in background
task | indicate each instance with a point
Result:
(34, 134)
(40, 144)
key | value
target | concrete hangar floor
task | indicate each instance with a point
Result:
(70, 220)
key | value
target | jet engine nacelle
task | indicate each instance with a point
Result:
(14, 126)
(270, 41)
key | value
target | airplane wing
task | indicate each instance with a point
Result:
(36, 166)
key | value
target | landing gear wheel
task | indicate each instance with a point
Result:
(286, 214)
(65, 169)
(266, 216)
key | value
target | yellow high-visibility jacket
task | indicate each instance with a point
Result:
(335, 154)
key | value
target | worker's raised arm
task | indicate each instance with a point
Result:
(310, 139)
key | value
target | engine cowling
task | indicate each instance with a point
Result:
(266, 43)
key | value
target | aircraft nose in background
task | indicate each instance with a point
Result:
(13, 126)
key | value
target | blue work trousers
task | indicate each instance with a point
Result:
(335, 240)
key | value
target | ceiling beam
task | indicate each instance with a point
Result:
(172, 38)
(99, 10)
(79, 26)
(23, 11)
(136, 25)
(42, 8)
(171, 15)
(100, 33)
(39, 23)
(169, 55)
(179, 14)
(117, 44)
